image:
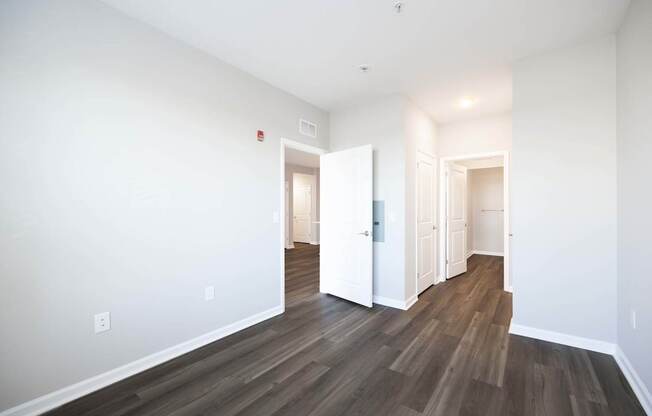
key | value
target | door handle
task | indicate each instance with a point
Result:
(366, 233)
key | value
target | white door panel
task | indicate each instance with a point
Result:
(457, 247)
(425, 221)
(302, 211)
(287, 215)
(346, 251)
(456, 220)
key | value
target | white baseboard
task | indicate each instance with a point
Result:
(67, 394)
(639, 388)
(314, 243)
(565, 339)
(393, 303)
(289, 246)
(469, 254)
(488, 253)
(637, 385)
(411, 301)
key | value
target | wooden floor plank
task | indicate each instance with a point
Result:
(482, 399)
(450, 354)
(551, 396)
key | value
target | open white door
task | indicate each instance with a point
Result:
(425, 222)
(346, 252)
(456, 220)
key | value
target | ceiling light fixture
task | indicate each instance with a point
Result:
(364, 68)
(398, 6)
(467, 102)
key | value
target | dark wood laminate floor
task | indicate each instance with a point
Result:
(450, 354)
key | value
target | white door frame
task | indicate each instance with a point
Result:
(443, 234)
(285, 143)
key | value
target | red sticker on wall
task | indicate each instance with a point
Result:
(261, 135)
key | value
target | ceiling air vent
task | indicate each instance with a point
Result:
(307, 128)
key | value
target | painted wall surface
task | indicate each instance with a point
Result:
(290, 170)
(564, 191)
(483, 135)
(131, 179)
(420, 136)
(634, 197)
(381, 124)
(396, 129)
(485, 197)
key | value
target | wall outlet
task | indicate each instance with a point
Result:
(102, 322)
(633, 318)
(209, 293)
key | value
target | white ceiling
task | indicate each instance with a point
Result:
(297, 157)
(435, 51)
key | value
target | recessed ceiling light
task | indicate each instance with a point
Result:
(467, 102)
(364, 68)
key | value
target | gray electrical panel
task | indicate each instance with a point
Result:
(379, 221)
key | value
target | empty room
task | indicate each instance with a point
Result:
(317, 207)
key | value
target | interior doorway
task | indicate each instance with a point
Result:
(301, 230)
(474, 212)
(327, 205)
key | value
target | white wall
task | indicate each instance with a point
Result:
(564, 191)
(396, 129)
(381, 124)
(634, 197)
(131, 179)
(483, 135)
(420, 136)
(290, 170)
(486, 193)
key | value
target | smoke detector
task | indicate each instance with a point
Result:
(364, 68)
